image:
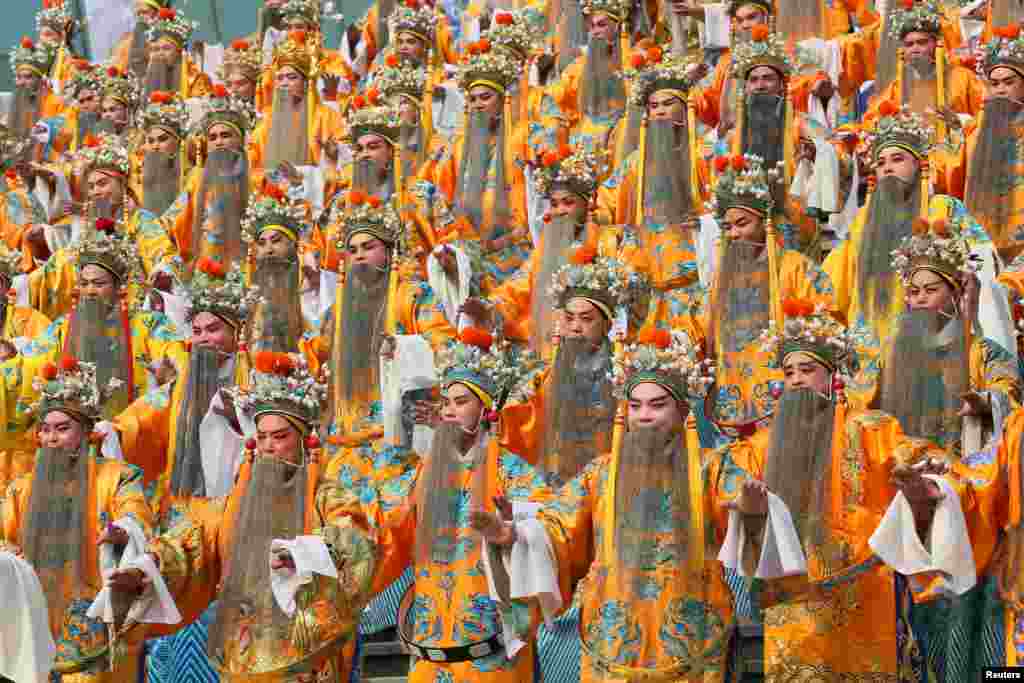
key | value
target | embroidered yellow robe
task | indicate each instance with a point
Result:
(114, 492)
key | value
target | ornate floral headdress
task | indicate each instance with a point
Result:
(166, 111)
(298, 52)
(113, 251)
(367, 213)
(616, 9)
(605, 282)
(172, 24)
(412, 16)
(484, 66)
(282, 386)
(71, 387)
(744, 182)
(809, 329)
(653, 71)
(55, 15)
(222, 292)
(243, 56)
(275, 210)
(910, 16)
(35, 56)
(369, 113)
(513, 32)
(220, 107)
(104, 152)
(1006, 49)
(307, 9)
(120, 86)
(401, 77)
(765, 48)
(491, 369)
(898, 127)
(574, 169)
(86, 77)
(939, 247)
(668, 359)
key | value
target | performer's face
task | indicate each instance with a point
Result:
(88, 101)
(801, 371)
(277, 438)
(144, 12)
(240, 85)
(664, 106)
(211, 331)
(103, 186)
(929, 292)
(60, 430)
(652, 406)
(743, 226)
(764, 80)
(272, 244)
(365, 249)
(1004, 82)
(408, 111)
(51, 36)
(221, 137)
(484, 99)
(898, 162)
(291, 80)
(917, 45)
(371, 146)
(164, 51)
(116, 112)
(583, 320)
(566, 203)
(749, 16)
(461, 406)
(603, 26)
(410, 46)
(159, 140)
(96, 282)
(295, 22)
(27, 80)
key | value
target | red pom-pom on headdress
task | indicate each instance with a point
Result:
(28, 43)
(738, 162)
(167, 14)
(275, 192)
(797, 308)
(655, 336)
(503, 18)
(210, 267)
(358, 102)
(91, 141)
(356, 197)
(654, 54)
(583, 255)
(160, 97)
(374, 201)
(549, 158)
(474, 336)
(49, 372)
(887, 108)
(220, 91)
(68, 364)
(273, 363)
(105, 225)
(240, 45)
(1009, 32)
(721, 164)
(298, 37)
(373, 95)
(391, 60)
(484, 44)
(760, 33)
(113, 72)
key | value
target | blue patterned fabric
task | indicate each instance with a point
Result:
(382, 612)
(558, 648)
(181, 658)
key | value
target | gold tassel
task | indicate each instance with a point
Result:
(624, 44)
(926, 188)
(741, 102)
(638, 219)
(788, 153)
(695, 549)
(691, 141)
(899, 77)
(774, 292)
(940, 89)
(618, 429)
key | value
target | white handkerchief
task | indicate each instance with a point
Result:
(311, 556)
(27, 650)
(897, 543)
(782, 553)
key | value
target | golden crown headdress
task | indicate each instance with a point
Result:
(35, 56)
(243, 56)
(764, 48)
(482, 65)
(412, 16)
(298, 52)
(71, 387)
(167, 111)
(172, 24)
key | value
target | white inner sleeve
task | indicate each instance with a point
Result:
(311, 556)
(26, 645)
